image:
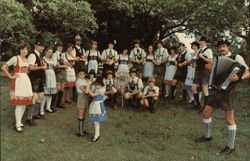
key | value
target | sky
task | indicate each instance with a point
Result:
(187, 40)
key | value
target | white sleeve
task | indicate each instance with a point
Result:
(165, 55)
(188, 56)
(99, 54)
(145, 90)
(64, 57)
(54, 57)
(131, 55)
(140, 84)
(144, 54)
(240, 60)
(209, 54)
(116, 55)
(12, 61)
(156, 89)
(103, 54)
(31, 59)
(73, 52)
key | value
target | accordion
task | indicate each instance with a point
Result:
(223, 68)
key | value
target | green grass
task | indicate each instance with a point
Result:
(128, 135)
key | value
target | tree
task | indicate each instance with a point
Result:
(16, 24)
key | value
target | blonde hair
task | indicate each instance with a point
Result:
(151, 80)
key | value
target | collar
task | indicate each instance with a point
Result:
(228, 54)
(183, 52)
(37, 52)
(78, 47)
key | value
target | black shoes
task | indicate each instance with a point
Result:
(61, 106)
(38, 116)
(30, 122)
(49, 111)
(81, 135)
(226, 151)
(95, 139)
(203, 139)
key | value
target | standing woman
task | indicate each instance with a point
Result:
(93, 56)
(123, 61)
(20, 88)
(191, 71)
(70, 73)
(50, 81)
(170, 69)
(149, 66)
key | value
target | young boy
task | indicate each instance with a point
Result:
(82, 101)
(135, 87)
(110, 88)
(150, 95)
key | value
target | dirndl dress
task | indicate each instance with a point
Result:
(148, 67)
(20, 87)
(93, 61)
(70, 77)
(170, 70)
(97, 110)
(123, 63)
(190, 75)
(50, 83)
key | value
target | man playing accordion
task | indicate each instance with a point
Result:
(224, 99)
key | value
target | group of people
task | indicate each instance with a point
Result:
(44, 80)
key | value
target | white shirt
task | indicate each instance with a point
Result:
(161, 54)
(208, 53)
(134, 54)
(79, 48)
(107, 53)
(238, 59)
(80, 83)
(107, 83)
(148, 90)
(56, 56)
(137, 81)
(32, 58)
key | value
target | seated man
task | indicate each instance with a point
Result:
(134, 90)
(150, 95)
(111, 91)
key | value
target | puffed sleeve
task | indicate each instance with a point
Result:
(12, 61)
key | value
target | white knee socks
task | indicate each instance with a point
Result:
(97, 129)
(167, 90)
(19, 114)
(47, 100)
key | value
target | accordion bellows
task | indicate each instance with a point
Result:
(223, 68)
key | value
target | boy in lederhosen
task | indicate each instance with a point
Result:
(204, 57)
(60, 72)
(181, 72)
(111, 89)
(37, 78)
(137, 56)
(224, 100)
(135, 87)
(109, 58)
(150, 95)
(160, 59)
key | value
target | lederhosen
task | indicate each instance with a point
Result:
(79, 65)
(138, 56)
(60, 72)
(201, 72)
(109, 86)
(150, 99)
(37, 77)
(222, 99)
(107, 67)
(133, 86)
(160, 69)
(181, 72)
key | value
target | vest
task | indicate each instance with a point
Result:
(181, 59)
(200, 63)
(37, 74)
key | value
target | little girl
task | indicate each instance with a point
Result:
(97, 111)
(20, 87)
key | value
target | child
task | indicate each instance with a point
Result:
(50, 82)
(82, 101)
(110, 87)
(135, 87)
(20, 88)
(97, 111)
(150, 95)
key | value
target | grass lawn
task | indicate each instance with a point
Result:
(128, 135)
